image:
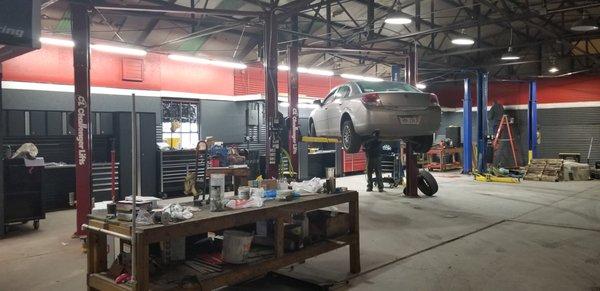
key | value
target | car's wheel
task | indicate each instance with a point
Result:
(311, 130)
(427, 183)
(350, 140)
(421, 144)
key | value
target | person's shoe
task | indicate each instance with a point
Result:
(369, 189)
(380, 189)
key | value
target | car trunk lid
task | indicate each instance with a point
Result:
(407, 99)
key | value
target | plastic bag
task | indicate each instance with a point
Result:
(178, 212)
(311, 186)
(254, 201)
(144, 217)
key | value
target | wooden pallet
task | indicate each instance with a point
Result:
(549, 170)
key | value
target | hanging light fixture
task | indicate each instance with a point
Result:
(398, 17)
(553, 70)
(421, 86)
(584, 24)
(463, 39)
(509, 55)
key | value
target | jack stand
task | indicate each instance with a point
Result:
(411, 172)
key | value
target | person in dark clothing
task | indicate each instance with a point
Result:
(373, 152)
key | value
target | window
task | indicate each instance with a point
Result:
(330, 97)
(180, 123)
(367, 87)
(342, 92)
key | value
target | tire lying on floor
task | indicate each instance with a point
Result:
(427, 183)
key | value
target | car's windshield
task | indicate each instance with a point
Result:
(386, 86)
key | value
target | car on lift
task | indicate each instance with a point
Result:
(398, 110)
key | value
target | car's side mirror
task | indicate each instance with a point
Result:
(318, 102)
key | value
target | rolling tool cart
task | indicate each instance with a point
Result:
(23, 193)
(391, 163)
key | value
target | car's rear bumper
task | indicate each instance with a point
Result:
(393, 123)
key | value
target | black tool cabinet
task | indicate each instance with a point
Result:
(22, 193)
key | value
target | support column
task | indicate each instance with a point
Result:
(80, 28)
(467, 128)
(411, 161)
(293, 114)
(482, 128)
(532, 120)
(271, 94)
(1, 161)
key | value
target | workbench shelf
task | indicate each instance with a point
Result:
(205, 221)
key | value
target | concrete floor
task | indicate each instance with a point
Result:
(470, 236)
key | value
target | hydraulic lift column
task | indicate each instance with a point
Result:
(482, 127)
(532, 120)
(1, 161)
(467, 128)
(293, 114)
(410, 75)
(271, 94)
(83, 135)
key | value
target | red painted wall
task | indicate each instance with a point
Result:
(54, 65)
(579, 88)
(252, 81)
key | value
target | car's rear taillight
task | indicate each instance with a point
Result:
(370, 99)
(433, 99)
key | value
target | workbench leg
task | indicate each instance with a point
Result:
(96, 253)
(354, 230)
(279, 237)
(142, 264)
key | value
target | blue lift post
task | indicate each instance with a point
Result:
(467, 128)
(532, 120)
(482, 97)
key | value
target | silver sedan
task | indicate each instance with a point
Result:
(398, 110)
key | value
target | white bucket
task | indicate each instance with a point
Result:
(236, 246)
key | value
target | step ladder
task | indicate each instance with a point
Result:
(497, 139)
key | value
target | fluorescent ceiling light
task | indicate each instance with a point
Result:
(361, 78)
(307, 70)
(585, 24)
(463, 41)
(509, 56)
(398, 18)
(553, 70)
(57, 42)
(421, 86)
(196, 60)
(315, 71)
(119, 50)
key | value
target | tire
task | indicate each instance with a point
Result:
(421, 144)
(350, 140)
(311, 129)
(427, 183)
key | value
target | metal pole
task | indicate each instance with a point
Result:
(293, 113)
(532, 120)
(467, 128)
(271, 94)
(411, 161)
(482, 96)
(134, 186)
(80, 28)
(1, 162)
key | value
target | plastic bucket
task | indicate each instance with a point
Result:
(236, 246)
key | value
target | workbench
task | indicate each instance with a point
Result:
(205, 221)
(442, 153)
